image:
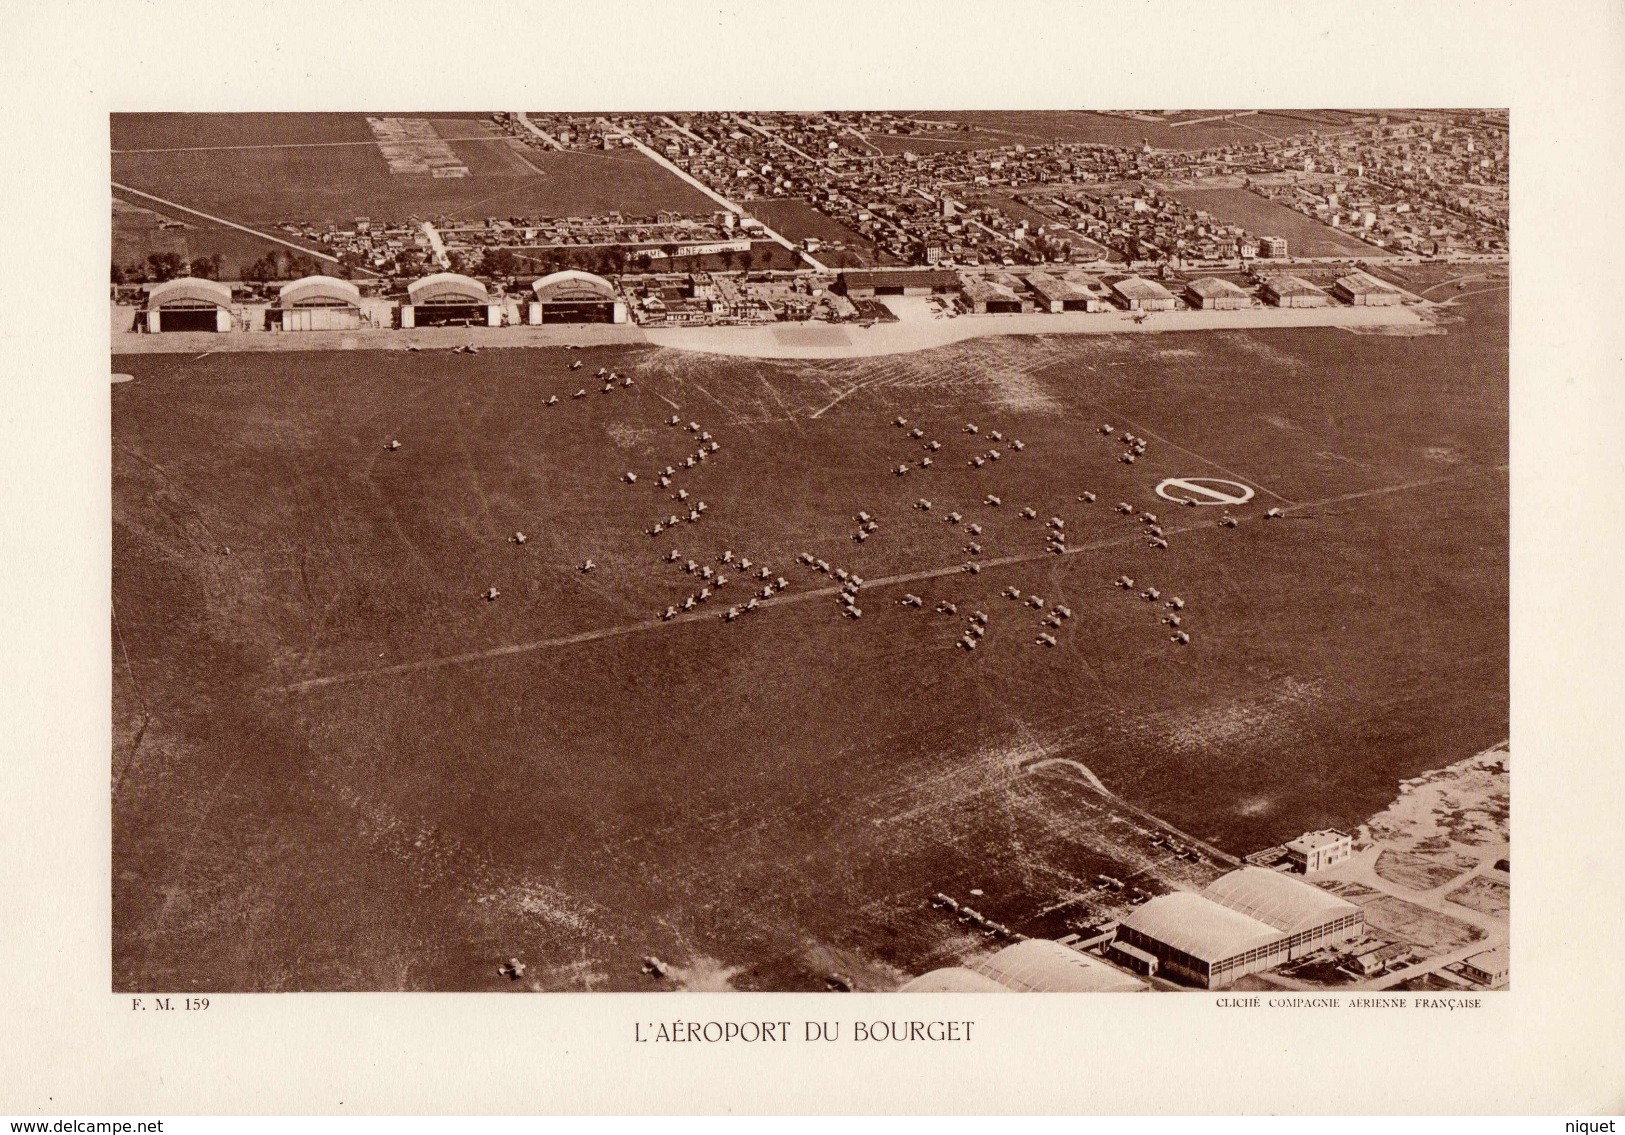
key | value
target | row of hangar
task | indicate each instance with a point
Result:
(326, 303)
(1249, 920)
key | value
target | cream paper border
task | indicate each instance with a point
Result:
(1552, 1044)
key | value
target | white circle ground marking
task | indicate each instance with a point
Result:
(1204, 490)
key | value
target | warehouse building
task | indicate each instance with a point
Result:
(316, 303)
(1490, 968)
(1211, 293)
(990, 297)
(188, 304)
(574, 297)
(1364, 290)
(1199, 941)
(953, 979)
(1291, 291)
(1062, 295)
(447, 299)
(1249, 920)
(904, 282)
(1040, 965)
(1139, 294)
(1316, 851)
(1036, 965)
(1309, 917)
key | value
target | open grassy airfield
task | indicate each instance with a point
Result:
(337, 766)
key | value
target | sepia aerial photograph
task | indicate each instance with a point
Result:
(871, 551)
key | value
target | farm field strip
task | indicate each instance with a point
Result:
(228, 224)
(286, 145)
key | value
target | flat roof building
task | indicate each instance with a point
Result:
(1491, 968)
(1211, 293)
(1139, 294)
(1316, 851)
(1291, 291)
(1362, 289)
(317, 303)
(189, 303)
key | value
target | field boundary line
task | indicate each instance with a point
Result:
(233, 225)
(579, 637)
(280, 146)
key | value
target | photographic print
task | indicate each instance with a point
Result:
(997, 551)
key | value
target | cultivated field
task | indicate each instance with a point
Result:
(797, 220)
(312, 168)
(336, 766)
(1304, 235)
(136, 233)
(1039, 126)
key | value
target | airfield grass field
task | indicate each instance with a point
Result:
(337, 766)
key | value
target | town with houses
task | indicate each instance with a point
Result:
(987, 228)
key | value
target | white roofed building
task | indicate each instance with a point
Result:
(189, 303)
(573, 296)
(1035, 965)
(448, 299)
(1139, 294)
(1316, 851)
(317, 303)
(953, 979)
(1201, 941)
(1309, 917)
(1040, 965)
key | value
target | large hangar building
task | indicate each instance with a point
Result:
(1036, 965)
(1198, 941)
(1308, 916)
(1213, 293)
(1139, 294)
(1057, 294)
(904, 282)
(317, 303)
(188, 304)
(1362, 289)
(1249, 920)
(1292, 291)
(447, 299)
(574, 297)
